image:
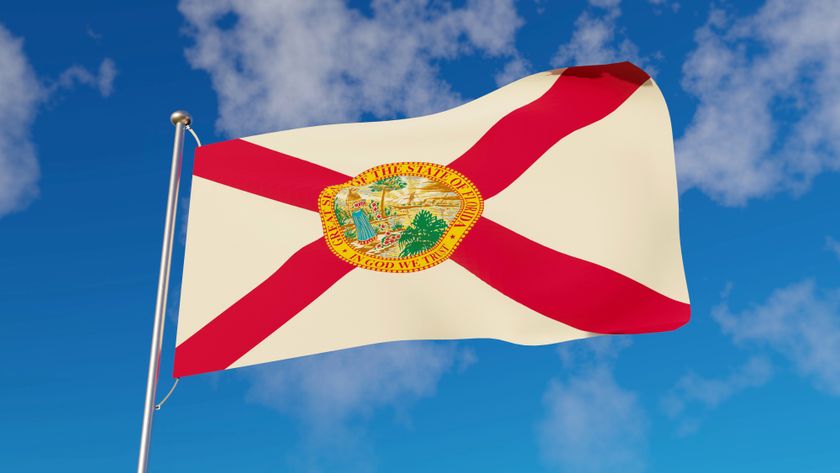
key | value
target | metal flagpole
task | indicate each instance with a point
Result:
(181, 120)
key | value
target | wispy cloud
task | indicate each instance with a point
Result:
(284, 64)
(92, 34)
(591, 423)
(101, 80)
(660, 4)
(592, 352)
(336, 388)
(694, 395)
(517, 68)
(768, 86)
(597, 39)
(800, 323)
(20, 94)
(335, 394)
(833, 246)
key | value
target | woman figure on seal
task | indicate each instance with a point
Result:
(355, 206)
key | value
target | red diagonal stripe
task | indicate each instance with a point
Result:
(298, 282)
(576, 292)
(268, 173)
(579, 97)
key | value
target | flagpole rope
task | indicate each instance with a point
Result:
(192, 132)
(172, 389)
(158, 405)
(175, 384)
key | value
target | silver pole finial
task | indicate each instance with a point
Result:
(180, 116)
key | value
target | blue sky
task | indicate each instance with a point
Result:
(751, 384)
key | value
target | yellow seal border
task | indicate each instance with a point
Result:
(472, 205)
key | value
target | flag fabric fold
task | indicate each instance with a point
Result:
(542, 212)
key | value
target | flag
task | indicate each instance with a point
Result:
(542, 212)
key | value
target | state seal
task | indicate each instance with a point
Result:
(399, 217)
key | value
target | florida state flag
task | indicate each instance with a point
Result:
(545, 211)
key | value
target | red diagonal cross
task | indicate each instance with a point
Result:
(576, 292)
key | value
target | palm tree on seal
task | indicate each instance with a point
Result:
(386, 185)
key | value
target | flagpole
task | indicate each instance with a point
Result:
(181, 120)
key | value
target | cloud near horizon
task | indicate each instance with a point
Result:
(800, 323)
(591, 424)
(334, 395)
(336, 388)
(694, 395)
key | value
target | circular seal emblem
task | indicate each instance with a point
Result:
(399, 217)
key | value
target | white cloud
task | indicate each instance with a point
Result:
(92, 34)
(833, 246)
(283, 64)
(515, 69)
(102, 80)
(673, 6)
(331, 391)
(334, 395)
(596, 38)
(693, 393)
(607, 4)
(800, 323)
(768, 86)
(20, 94)
(591, 423)
(596, 351)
